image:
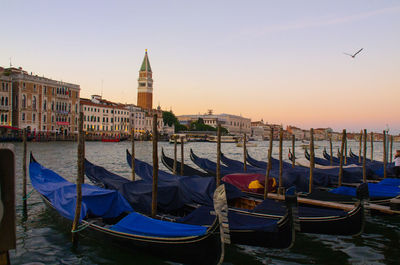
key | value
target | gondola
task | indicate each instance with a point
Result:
(324, 221)
(106, 215)
(187, 204)
(298, 176)
(379, 193)
(187, 170)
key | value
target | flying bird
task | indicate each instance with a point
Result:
(354, 55)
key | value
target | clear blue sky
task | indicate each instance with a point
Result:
(281, 61)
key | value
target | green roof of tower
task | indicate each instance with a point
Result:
(146, 63)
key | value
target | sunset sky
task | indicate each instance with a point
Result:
(281, 61)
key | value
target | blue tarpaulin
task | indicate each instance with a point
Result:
(376, 191)
(138, 224)
(174, 192)
(237, 221)
(62, 195)
(390, 182)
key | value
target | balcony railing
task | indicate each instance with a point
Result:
(5, 107)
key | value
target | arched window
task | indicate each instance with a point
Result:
(44, 105)
(2, 101)
(34, 102)
(23, 101)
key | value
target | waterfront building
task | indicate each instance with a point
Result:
(145, 85)
(261, 129)
(5, 100)
(103, 117)
(41, 104)
(106, 118)
(235, 125)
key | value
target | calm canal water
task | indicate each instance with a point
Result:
(40, 239)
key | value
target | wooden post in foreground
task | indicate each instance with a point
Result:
(342, 158)
(345, 149)
(280, 191)
(391, 148)
(331, 151)
(359, 150)
(24, 199)
(384, 155)
(266, 185)
(365, 156)
(294, 151)
(312, 155)
(182, 156)
(8, 218)
(155, 168)
(175, 154)
(79, 179)
(218, 154)
(244, 153)
(133, 153)
(372, 146)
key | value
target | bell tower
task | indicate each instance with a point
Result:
(145, 85)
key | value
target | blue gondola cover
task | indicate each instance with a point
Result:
(62, 195)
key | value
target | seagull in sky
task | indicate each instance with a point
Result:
(354, 55)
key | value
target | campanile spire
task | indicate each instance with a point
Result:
(145, 84)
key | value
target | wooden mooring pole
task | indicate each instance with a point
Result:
(182, 156)
(266, 185)
(391, 148)
(244, 153)
(312, 155)
(280, 191)
(175, 154)
(345, 149)
(24, 174)
(218, 154)
(8, 237)
(384, 155)
(359, 149)
(331, 151)
(342, 158)
(133, 154)
(372, 146)
(79, 180)
(365, 157)
(155, 168)
(293, 151)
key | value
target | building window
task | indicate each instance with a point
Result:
(23, 101)
(23, 85)
(44, 128)
(23, 116)
(52, 120)
(44, 118)
(52, 106)
(34, 103)
(2, 101)
(33, 117)
(44, 104)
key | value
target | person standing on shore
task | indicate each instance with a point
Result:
(397, 164)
